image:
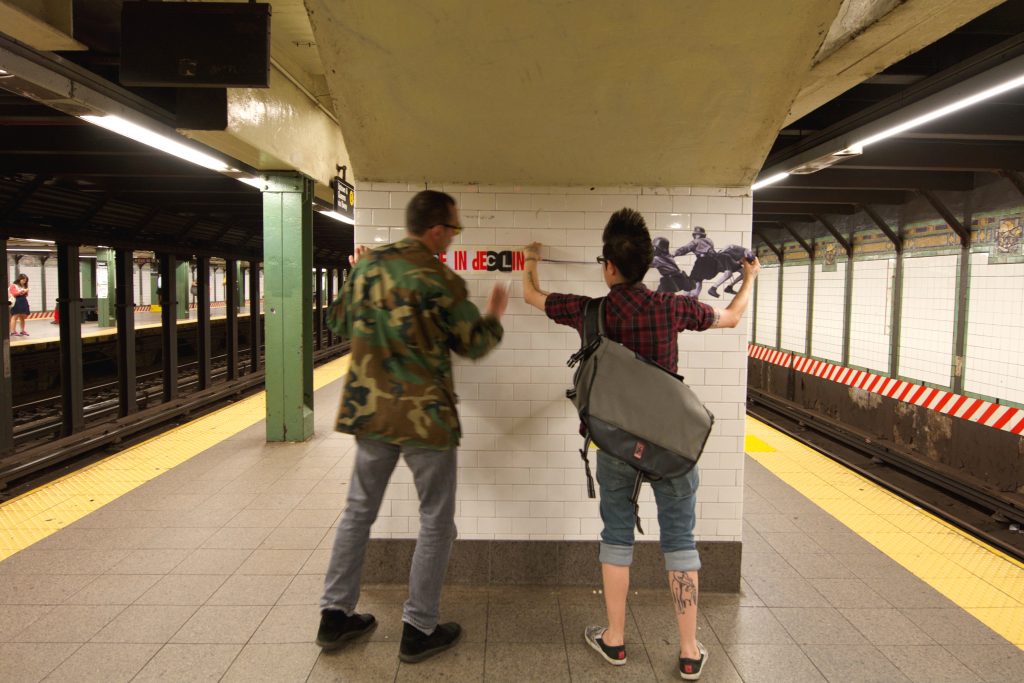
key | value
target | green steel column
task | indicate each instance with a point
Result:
(105, 285)
(183, 283)
(42, 284)
(154, 280)
(288, 305)
(87, 267)
(239, 286)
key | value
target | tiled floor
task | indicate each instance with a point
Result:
(212, 571)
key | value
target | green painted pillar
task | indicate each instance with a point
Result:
(154, 282)
(183, 283)
(288, 305)
(239, 286)
(105, 286)
(88, 277)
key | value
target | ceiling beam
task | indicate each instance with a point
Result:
(776, 193)
(843, 241)
(800, 240)
(808, 207)
(1015, 178)
(940, 156)
(842, 177)
(897, 241)
(952, 221)
(760, 235)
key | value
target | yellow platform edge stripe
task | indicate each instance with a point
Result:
(982, 580)
(36, 514)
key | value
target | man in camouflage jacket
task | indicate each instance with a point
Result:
(404, 312)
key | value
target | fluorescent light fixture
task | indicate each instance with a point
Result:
(26, 239)
(22, 250)
(940, 112)
(336, 216)
(770, 180)
(252, 181)
(158, 141)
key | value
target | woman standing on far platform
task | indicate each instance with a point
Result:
(20, 311)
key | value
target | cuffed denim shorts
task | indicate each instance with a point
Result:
(677, 502)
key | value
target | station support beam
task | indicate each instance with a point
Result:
(318, 320)
(182, 291)
(170, 270)
(6, 386)
(897, 288)
(105, 285)
(288, 305)
(809, 248)
(231, 315)
(69, 304)
(204, 363)
(88, 270)
(255, 328)
(330, 300)
(124, 312)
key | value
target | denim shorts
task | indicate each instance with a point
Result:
(677, 501)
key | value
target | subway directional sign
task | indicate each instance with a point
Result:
(344, 198)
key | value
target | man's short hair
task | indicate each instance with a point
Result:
(627, 244)
(427, 209)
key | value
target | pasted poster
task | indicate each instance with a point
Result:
(721, 265)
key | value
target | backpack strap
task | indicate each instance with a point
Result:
(586, 467)
(593, 329)
(635, 499)
(593, 321)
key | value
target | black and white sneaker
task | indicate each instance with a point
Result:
(614, 655)
(337, 628)
(690, 669)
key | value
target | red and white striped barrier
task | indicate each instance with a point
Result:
(995, 415)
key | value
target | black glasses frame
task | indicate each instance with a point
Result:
(601, 259)
(456, 228)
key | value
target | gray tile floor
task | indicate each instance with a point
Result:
(212, 572)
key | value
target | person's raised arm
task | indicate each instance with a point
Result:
(731, 315)
(532, 293)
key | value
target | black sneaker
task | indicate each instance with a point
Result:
(614, 655)
(713, 292)
(417, 645)
(337, 628)
(689, 669)
(730, 290)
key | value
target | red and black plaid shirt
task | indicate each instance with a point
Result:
(641, 320)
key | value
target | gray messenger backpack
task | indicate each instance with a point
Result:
(634, 409)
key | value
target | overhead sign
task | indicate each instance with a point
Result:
(344, 198)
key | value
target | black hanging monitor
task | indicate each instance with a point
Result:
(195, 44)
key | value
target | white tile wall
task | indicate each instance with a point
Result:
(767, 310)
(827, 331)
(927, 318)
(795, 283)
(994, 364)
(871, 304)
(520, 473)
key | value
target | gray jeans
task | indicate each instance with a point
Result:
(434, 473)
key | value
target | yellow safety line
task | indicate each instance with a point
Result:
(982, 580)
(36, 514)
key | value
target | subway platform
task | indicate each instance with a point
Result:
(199, 555)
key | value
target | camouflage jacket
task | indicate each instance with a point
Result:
(404, 311)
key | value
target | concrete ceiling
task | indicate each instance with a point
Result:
(565, 93)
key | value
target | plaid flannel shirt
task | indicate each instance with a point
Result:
(641, 320)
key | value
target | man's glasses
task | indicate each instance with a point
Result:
(456, 228)
(602, 260)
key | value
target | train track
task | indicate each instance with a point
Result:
(46, 457)
(979, 512)
(39, 421)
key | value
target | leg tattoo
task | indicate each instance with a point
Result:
(684, 591)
